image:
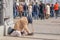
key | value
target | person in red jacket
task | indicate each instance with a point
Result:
(56, 8)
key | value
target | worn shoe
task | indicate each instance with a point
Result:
(30, 34)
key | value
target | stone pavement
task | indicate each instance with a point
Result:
(48, 29)
(34, 37)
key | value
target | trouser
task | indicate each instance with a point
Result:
(35, 15)
(20, 14)
(52, 13)
(16, 33)
(42, 16)
(30, 14)
(15, 13)
(25, 13)
(56, 13)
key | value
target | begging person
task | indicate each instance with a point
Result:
(21, 25)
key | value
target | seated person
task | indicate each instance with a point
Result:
(20, 25)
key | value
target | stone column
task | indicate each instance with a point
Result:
(8, 13)
(1, 18)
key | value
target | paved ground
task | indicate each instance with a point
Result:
(48, 29)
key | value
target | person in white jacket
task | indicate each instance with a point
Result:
(30, 10)
(47, 11)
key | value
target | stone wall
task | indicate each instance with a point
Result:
(7, 12)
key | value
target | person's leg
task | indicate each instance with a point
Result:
(53, 13)
(30, 14)
(14, 13)
(37, 15)
(26, 13)
(34, 13)
(41, 16)
(56, 13)
(46, 16)
(27, 30)
(19, 14)
(16, 33)
(23, 13)
(50, 13)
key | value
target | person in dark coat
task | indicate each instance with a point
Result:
(41, 9)
(52, 10)
(56, 9)
(15, 11)
(35, 11)
(25, 7)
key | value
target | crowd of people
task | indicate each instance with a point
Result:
(35, 10)
(27, 12)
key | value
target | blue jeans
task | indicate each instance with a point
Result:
(25, 13)
(35, 15)
(52, 13)
(15, 13)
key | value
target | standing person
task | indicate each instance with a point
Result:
(29, 17)
(30, 10)
(25, 9)
(52, 10)
(44, 10)
(41, 9)
(47, 11)
(56, 8)
(20, 8)
(15, 11)
(35, 10)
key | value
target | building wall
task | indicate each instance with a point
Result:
(7, 12)
(8, 8)
(51, 1)
(44, 1)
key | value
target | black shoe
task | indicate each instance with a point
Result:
(30, 34)
(22, 33)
